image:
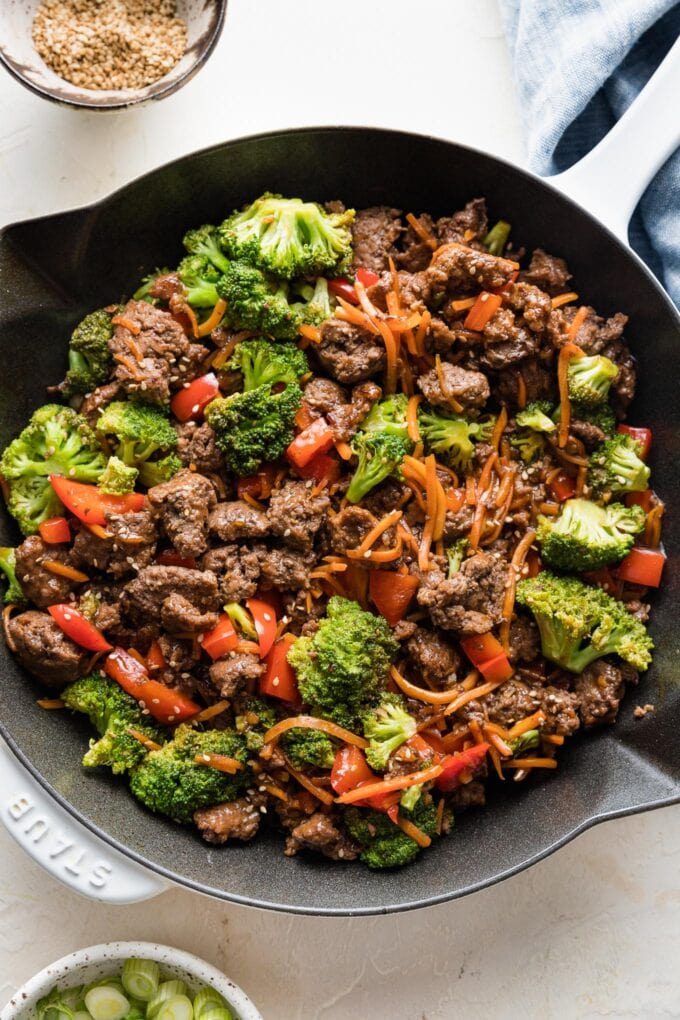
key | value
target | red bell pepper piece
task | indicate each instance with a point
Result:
(481, 648)
(506, 286)
(642, 566)
(366, 277)
(304, 416)
(484, 308)
(89, 505)
(463, 761)
(497, 669)
(603, 578)
(341, 287)
(189, 402)
(163, 703)
(258, 486)
(392, 593)
(279, 680)
(562, 486)
(350, 768)
(644, 499)
(55, 530)
(324, 465)
(154, 657)
(221, 639)
(264, 619)
(315, 439)
(168, 558)
(77, 628)
(428, 743)
(643, 436)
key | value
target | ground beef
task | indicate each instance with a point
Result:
(237, 568)
(385, 497)
(143, 598)
(458, 522)
(197, 448)
(182, 506)
(432, 659)
(599, 690)
(538, 382)
(235, 671)
(640, 610)
(416, 254)
(41, 586)
(548, 272)
(461, 268)
(94, 403)
(164, 348)
(470, 389)
(471, 221)
(239, 819)
(589, 434)
(180, 616)
(295, 515)
(560, 708)
(511, 702)
(349, 353)
(131, 545)
(594, 333)
(295, 609)
(287, 569)
(319, 832)
(531, 303)
(470, 601)
(180, 655)
(238, 520)
(623, 387)
(524, 640)
(468, 795)
(507, 340)
(346, 419)
(375, 232)
(322, 396)
(349, 527)
(44, 650)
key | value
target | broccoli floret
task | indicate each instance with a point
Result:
(579, 624)
(257, 302)
(388, 415)
(204, 241)
(602, 416)
(308, 747)
(112, 712)
(318, 305)
(89, 358)
(199, 278)
(8, 565)
(456, 554)
(143, 292)
(263, 362)
(586, 536)
(410, 797)
(616, 466)
(89, 605)
(453, 437)
(57, 441)
(117, 478)
(497, 238)
(590, 379)
(253, 720)
(141, 432)
(529, 445)
(255, 426)
(536, 416)
(380, 455)
(171, 783)
(386, 728)
(526, 742)
(289, 237)
(342, 669)
(384, 844)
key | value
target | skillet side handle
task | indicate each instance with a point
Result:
(65, 849)
(612, 178)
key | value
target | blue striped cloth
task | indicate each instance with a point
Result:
(578, 64)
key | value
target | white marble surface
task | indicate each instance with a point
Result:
(591, 932)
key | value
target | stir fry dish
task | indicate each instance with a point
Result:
(333, 524)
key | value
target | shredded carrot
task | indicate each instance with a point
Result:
(63, 570)
(470, 491)
(391, 350)
(130, 365)
(374, 534)
(412, 419)
(329, 568)
(350, 313)
(425, 320)
(251, 501)
(553, 738)
(564, 299)
(191, 316)
(214, 319)
(439, 817)
(420, 694)
(496, 759)
(499, 427)
(275, 791)
(530, 763)
(209, 713)
(506, 486)
(220, 762)
(462, 304)
(50, 704)
(516, 563)
(524, 725)
(569, 351)
(120, 320)
(310, 333)
(494, 738)
(100, 532)
(428, 529)
(577, 322)
(416, 834)
(389, 785)
(248, 647)
(422, 232)
(521, 391)
(441, 378)
(407, 537)
(323, 795)
(652, 535)
(471, 695)
(379, 555)
(145, 741)
(310, 722)
(134, 350)
(392, 302)
(344, 449)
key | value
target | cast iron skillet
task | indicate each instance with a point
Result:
(55, 269)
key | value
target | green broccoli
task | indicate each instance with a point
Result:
(384, 844)
(262, 362)
(536, 416)
(171, 782)
(456, 554)
(57, 441)
(141, 432)
(199, 278)
(388, 415)
(89, 605)
(317, 306)
(590, 379)
(342, 669)
(308, 747)
(255, 426)
(529, 445)
(579, 624)
(204, 241)
(410, 797)
(497, 238)
(8, 565)
(289, 237)
(453, 437)
(253, 719)
(143, 292)
(89, 358)
(601, 416)
(386, 728)
(258, 303)
(380, 455)
(586, 536)
(117, 478)
(526, 742)
(112, 712)
(616, 466)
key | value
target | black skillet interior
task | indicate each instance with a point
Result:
(55, 269)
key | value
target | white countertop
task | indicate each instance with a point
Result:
(591, 932)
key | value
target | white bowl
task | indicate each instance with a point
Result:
(96, 962)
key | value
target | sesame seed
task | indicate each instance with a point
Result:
(276, 681)
(155, 701)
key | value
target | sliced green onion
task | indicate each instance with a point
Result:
(177, 1008)
(165, 991)
(141, 978)
(207, 998)
(106, 1002)
(216, 1013)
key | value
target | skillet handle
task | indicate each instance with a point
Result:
(63, 847)
(612, 178)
